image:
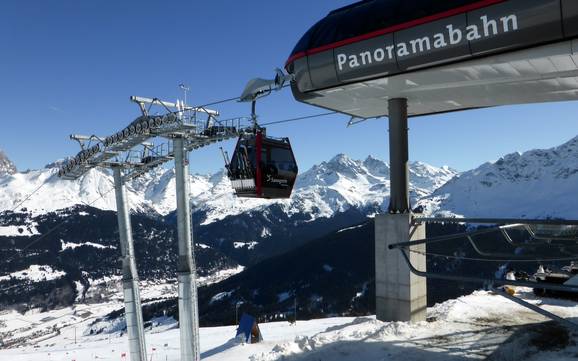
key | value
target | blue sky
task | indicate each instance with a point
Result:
(70, 67)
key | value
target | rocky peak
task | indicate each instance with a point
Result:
(6, 165)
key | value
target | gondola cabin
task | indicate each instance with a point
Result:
(262, 167)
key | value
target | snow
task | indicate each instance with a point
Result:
(478, 326)
(220, 296)
(154, 289)
(219, 275)
(79, 290)
(534, 184)
(24, 230)
(35, 273)
(265, 232)
(248, 245)
(6, 165)
(95, 188)
(283, 296)
(327, 268)
(71, 245)
(323, 190)
(350, 228)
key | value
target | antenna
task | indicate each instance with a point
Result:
(185, 89)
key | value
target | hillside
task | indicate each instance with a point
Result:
(63, 227)
(59, 258)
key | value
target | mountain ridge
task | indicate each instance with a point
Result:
(329, 187)
(538, 183)
(7, 167)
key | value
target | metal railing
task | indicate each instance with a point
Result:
(544, 233)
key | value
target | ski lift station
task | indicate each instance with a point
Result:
(375, 58)
(403, 59)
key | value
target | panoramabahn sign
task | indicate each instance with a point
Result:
(450, 35)
(500, 27)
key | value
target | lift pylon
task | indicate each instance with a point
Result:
(130, 153)
(186, 269)
(132, 305)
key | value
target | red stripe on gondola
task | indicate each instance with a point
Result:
(258, 180)
(394, 28)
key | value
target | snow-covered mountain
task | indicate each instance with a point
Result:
(6, 165)
(536, 184)
(326, 188)
(228, 231)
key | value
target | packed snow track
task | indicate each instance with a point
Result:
(478, 326)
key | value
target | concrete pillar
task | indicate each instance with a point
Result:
(400, 295)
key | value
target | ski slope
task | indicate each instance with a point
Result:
(477, 326)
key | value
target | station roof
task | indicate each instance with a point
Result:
(369, 18)
(441, 55)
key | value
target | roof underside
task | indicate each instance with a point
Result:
(547, 73)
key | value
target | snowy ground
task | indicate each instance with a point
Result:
(478, 326)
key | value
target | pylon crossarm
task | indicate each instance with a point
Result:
(180, 120)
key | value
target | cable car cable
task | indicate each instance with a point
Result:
(299, 118)
(217, 102)
(28, 196)
(227, 100)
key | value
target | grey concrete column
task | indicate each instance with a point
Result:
(188, 302)
(400, 295)
(132, 305)
(398, 156)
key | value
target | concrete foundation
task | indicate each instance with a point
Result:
(400, 295)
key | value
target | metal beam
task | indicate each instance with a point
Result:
(80, 137)
(450, 236)
(132, 305)
(143, 100)
(398, 156)
(188, 307)
(557, 222)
